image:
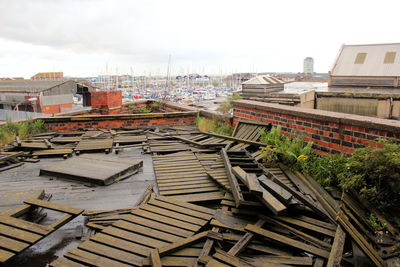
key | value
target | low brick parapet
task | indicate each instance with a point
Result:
(73, 123)
(330, 131)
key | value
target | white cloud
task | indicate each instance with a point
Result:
(80, 37)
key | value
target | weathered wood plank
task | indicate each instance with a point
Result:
(182, 243)
(166, 220)
(155, 258)
(12, 244)
(157, 225)
(63, 262)
(133, 237)
(335, 256)
(54, 206)
(244, 241)
(19, 234)
(288, 241)
(5, 255)
(122, 244)
(180, 209)
(235, 188)
(146, 231)
(111, 253)
(92, 259)
(25, 225)
(187, 205)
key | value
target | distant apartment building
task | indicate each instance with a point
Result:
(48, 76)
(366, 65)
(308, 65)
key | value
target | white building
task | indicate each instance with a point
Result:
(308, 65)
(366, 65)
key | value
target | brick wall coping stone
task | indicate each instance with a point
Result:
(322, 115)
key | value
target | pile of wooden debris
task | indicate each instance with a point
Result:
(216, 204)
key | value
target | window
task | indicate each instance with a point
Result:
(389, 58)
(360, 58)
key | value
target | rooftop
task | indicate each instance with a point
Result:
(367, 60)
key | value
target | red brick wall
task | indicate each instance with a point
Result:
(330, 131)
(106, 99)
(55, 108)
(66, 124)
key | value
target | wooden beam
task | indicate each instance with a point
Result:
(236, 191)
(287, 241)
(335, 257)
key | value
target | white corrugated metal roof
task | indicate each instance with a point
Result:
(373, 64)
(264, 79)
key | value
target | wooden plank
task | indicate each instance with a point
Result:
(157, 225)
(306, 225)
(180, 209)
(111, 253)
(25, 225)
(155, 258)
(359, 239)
(63, 262)
(235, 188)
(54, 206)
(244, 241)
(175, 215)
(288, 241)
(183, 243)
(167, 189)
(187, 205)
(335, 256)
(229, 259)
(92, 259)
(170, 261)
(265, 260)
(121, 244)
(200, 197)
(12, 244)
(166, 220)
(133, 237)
(146, 231)
(19, 234)
(189, 191)
(275, 189)
(308, 238)
(5, 255)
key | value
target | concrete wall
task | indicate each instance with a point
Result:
(330, 131)
(365, 104)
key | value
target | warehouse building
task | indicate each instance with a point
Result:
(261, 86)
(368, 65)
(42, 96)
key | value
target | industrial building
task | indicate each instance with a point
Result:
(366, 65)
(261, 86)
(48, 76)
(42, 96)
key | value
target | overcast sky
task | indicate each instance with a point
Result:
(82, 38)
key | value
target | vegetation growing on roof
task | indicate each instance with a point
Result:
(10, 130)
(226, 106)
(372, 172)
(213, 125)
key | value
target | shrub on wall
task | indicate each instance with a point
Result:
(372, 172)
